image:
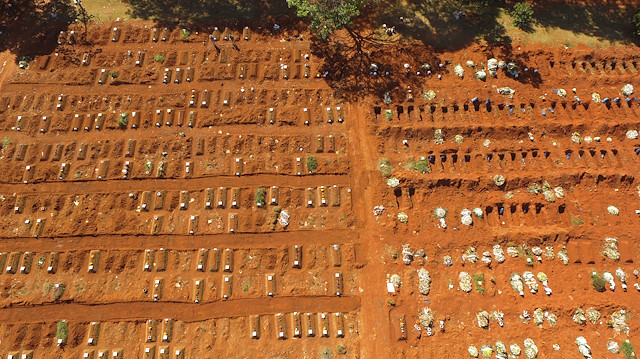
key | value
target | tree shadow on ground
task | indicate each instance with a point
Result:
(605, 22)
(207, 12)
(445, 24)
(31, 29)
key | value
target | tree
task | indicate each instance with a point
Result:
(327, 16)
(636, 22)
(522, 15)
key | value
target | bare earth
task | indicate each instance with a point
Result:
(164, 205)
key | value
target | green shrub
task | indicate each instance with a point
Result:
(636, 22)
(185, 34)
(598, 282)
(312, 163)
(385, 167)
(6, 141)
(522, 15)
(158, 58)
(261, 194)
(113, 74)
(123, 120)
(62, 330)
(628, 350)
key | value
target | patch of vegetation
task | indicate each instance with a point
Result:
(341, 349)
(123, 119)
(576, 220)
(628, 350)
(261, 194)
(113, 74)
(312, 164)
(479, 280)
(522, 15)
(411, 164)
(184, 34)
(422, 165)
(58, 291)
(158, 58)
(62, 330)
(636, 22)
(325, 353)
(274, 217)
(388, 115)
(598, 282)
(385, 167)
(6, 141)
(24, 61)
(391, 302)
(245, 286)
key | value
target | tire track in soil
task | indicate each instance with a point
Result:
(186, 312)
(178, 242)
(181, 184)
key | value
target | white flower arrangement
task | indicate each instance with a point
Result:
(440, 212)
(393, 182)
(403, 217)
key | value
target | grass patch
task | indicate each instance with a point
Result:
(341, 349)
(422, 165)
(245, 286)
(261, 194)
(598, 282)
(576, 220)
(184, 34)
(312, 164)
(158, 58)
(325, 353)
(411, 164)
(6, 141)
(123, 119)
(58, 291)
(479, 280)
(628, 350)
(62, 331)
(388, 115)
(385, 167)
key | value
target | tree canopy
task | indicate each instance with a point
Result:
(326, 16)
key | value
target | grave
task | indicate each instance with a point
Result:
(254, 326)
(296, 256)
(52, 267)
(161, 260)
(227, 281)
(158, 285)
(214, 260)
(93, 334)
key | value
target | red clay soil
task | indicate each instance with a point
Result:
(165, 204)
